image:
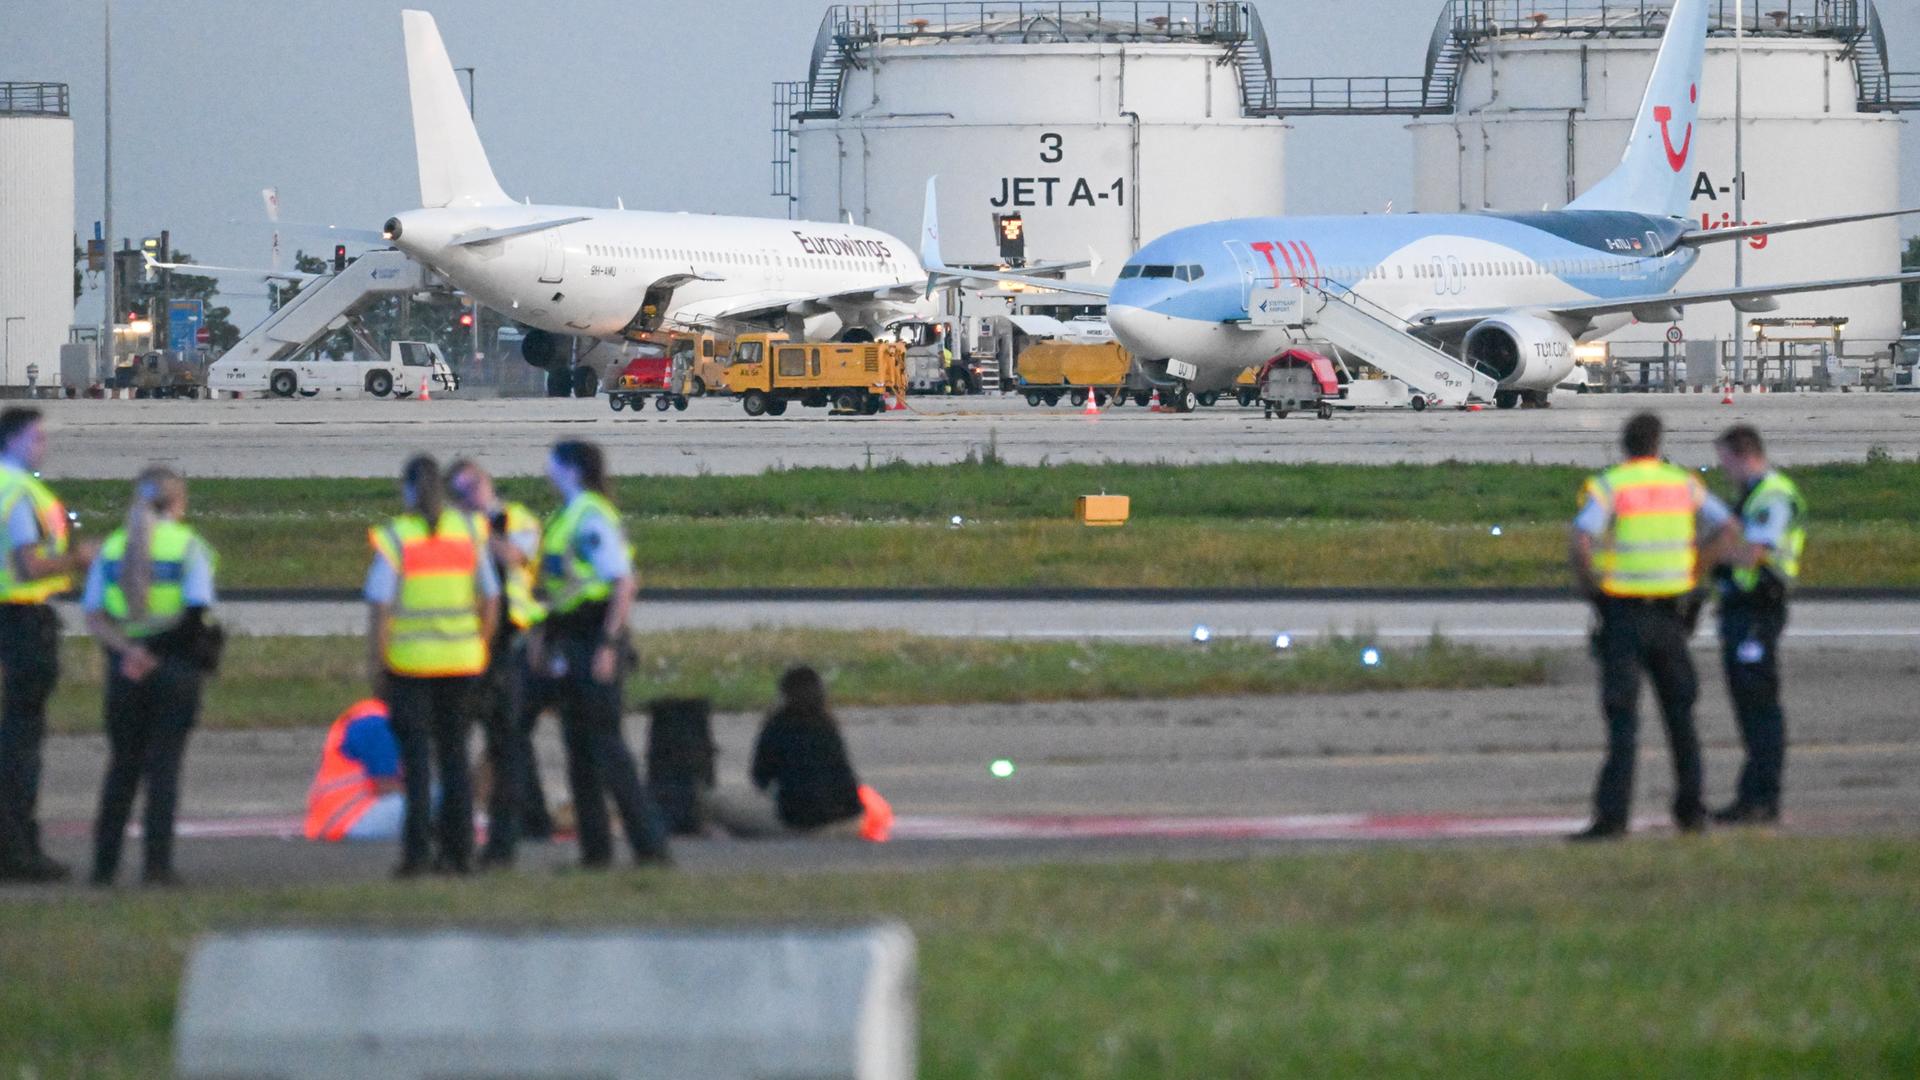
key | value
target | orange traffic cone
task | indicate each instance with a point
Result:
(1155, 406)
(426, 393)
(899, 402)
(1727, 398)
(1093, 405)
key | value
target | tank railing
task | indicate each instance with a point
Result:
(1336, 95)
(33, 99)
(1825, 18)
(1900, 91)
(1043, 21)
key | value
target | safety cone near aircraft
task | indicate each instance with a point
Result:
(899, 403)
(1727, 398)
(426, 392)
(1093, 405)
(1154, 405)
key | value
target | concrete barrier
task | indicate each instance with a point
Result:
(603, 1005)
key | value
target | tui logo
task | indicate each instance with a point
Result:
(1663, 115)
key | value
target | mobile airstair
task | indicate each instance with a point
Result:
(326, 305)
(1365, 332)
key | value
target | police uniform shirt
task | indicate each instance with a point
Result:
(599, 540)
(196, 582)
(1766, 523)
(1596, 516)
(383, 580)
(23, 526)
(526, 541)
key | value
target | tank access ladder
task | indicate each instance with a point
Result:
(321, 307)
(1321, 315)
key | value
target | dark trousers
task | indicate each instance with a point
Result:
(1638, 636)
(1750, 651)
(430, 719)
(29, 667)
(599, 762)
(517, 805)
(148, 723)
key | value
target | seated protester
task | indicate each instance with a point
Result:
(804, 784)
(357, 794)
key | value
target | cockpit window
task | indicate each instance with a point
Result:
(1191, 272)
(1128, 273)
(1156, 271)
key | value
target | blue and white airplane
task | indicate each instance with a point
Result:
(1509, 293)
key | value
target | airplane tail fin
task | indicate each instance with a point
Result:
(1654, 176)
(453, 165)
(930, 226)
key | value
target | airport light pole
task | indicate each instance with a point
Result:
(110, 304)
(1739, 186)
(473, 102)
(6, 358)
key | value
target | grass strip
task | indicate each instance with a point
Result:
(284, 682)
(1735, 956)
(1234, 526)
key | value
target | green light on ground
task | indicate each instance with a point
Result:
(1001, 768)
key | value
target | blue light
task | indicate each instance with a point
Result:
(1370, 657)
(1202, 634)
(1283, 642)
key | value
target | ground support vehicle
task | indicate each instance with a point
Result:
(159, 375)
(1051, 371)
(408, 366)
(651, 374)
(700, 363)
(1385, 392)
(1298, 380)
(769, 373)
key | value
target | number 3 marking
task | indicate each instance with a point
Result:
(1055, 148)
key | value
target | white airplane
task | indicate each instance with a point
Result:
(569, 271)
(1509, 293)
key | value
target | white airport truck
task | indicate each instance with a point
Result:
(408, 366)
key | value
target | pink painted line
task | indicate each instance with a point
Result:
(1357, 827)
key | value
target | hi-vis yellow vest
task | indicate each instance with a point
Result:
(17, 484)
(435, 631)
(170, 547)
(567, 579)
(1784, 561)
(516, 582)
(1650, 549)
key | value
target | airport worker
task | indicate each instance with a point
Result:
(39, 563)
(433, 601)
(1755, 579)
(357, 793)
(581, 657)
(1636, 551)
(148, 599)
(515, 806)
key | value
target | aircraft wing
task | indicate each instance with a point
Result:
(1660, 307)
(1703, 237)
(216, 271)
(774, 307)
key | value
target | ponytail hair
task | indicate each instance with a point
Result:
(157, 492)
(587, 460)
(425, 490)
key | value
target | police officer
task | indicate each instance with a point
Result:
(36, 565)
(517, 806)
(587, 583)
(1635, 552)
(147, 600)
(1754, 580)
(433, 601)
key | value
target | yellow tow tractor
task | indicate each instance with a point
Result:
(769, 372)
(701, 360)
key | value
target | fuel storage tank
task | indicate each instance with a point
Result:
(1547, 94)
(1103, 124)
(36, 231)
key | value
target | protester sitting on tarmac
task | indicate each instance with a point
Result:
(357, 794)
(433, 601)
(147, 600)
(581, 660)
(803, 783)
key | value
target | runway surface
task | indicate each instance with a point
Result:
(1857, 624)
(269, 438)
(1205, 778)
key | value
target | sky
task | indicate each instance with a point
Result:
(665, 105)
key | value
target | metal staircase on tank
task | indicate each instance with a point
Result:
(327, 304)
(1371, 334)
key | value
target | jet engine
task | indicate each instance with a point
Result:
(544, 349)
(1524, 352)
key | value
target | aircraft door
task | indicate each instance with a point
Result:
(555, 267)
(1253, 271)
